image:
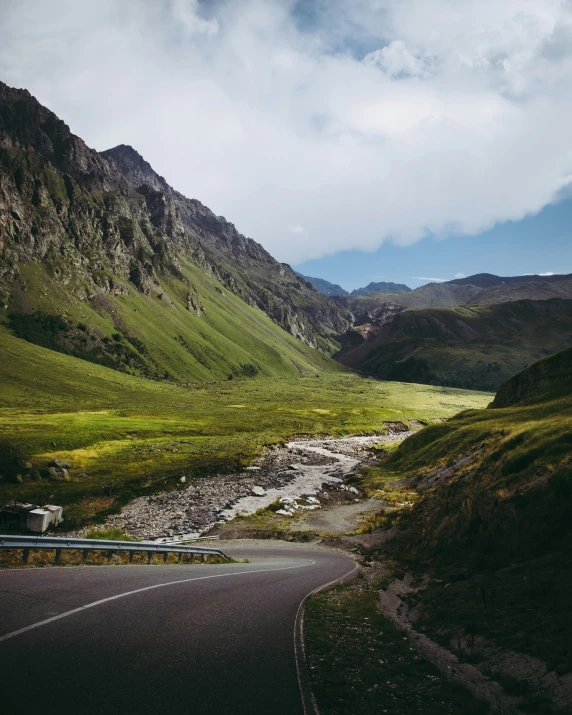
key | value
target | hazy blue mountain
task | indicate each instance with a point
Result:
(323, 286)
(383, 287)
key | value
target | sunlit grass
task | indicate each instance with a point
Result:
(130, 433)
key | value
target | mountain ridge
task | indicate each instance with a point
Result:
(476, 347)
(78, 240)
(323, 286)
(383, 287)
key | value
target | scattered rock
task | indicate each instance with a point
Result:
(59, 464)
(52, 473)
(205, 502)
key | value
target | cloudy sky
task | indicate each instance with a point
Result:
(363, 140)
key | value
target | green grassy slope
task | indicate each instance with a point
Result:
(476, 347)
(132, 432)
(159, 336)
(495, 506)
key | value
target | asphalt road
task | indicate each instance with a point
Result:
(203, 639)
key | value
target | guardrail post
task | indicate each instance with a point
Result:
(185, 554)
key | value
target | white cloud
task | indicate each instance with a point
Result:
(429, 280)
(460, 275)
(455, 118)
(297, 229)
(399, 60)
(186, 13)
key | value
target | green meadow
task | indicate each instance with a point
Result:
(132, 434)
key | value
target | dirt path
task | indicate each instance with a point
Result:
(337, 519)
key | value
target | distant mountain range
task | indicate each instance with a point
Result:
(472, 332)
(323, 286)
(333, 289)
(480, 289)
(476, 347)
(381, 288)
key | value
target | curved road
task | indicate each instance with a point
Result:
(160, 639)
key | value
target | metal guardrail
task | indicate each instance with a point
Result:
(58, 543)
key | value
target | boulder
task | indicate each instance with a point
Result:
(23, 464)
(59, 464)
(58, 475)
(258, 491)
(19, 479)
(52, 473)
(83, 475)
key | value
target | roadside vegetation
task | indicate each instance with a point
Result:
(482, 518)
(360, 663)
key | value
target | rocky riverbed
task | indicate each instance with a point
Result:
(301, 468)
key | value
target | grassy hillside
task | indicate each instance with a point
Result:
(493, 520)
(475, 347)
(133, 433)
(178, 333)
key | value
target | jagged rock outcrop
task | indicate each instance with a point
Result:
(104, 222)
(241, 264)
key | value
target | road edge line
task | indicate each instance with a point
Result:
(309, 704)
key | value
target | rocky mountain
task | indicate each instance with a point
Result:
(476, 290)
(383, 287)
(102, 242)
(323, 286)
(242, 265)
(333, 289)
(433, 295)
(476, 347)
(488, 280)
